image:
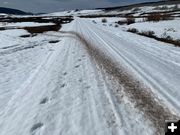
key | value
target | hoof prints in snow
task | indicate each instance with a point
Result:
(44, 100)
(63, 85)
(65, 73)
(36, 126)
(77, 66)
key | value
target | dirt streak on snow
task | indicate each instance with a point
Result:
(153, 62)
(68, 94)
(144, 100)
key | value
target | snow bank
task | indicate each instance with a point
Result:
(161, 29)
(10, 37)
(25, 24)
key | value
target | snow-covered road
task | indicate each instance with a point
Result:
(154, 62)
(73, 91)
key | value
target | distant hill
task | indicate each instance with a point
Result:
(13, 11)
(165, 2)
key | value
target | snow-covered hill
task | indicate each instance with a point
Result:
(135, 11)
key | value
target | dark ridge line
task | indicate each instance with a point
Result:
(126, 7)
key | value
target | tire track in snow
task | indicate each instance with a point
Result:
(144, 100)
(108, 110)
(167, 92)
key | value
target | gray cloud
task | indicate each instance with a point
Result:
(58, 5)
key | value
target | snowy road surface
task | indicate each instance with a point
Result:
(95, 81)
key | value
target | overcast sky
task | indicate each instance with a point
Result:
(59, 5)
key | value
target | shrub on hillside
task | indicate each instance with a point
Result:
(147, 33)
(166, 17)
(133, 30)
(156, 17)
(122, 22)
(169, 38)
(130, 20)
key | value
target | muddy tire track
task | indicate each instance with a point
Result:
(140, 95)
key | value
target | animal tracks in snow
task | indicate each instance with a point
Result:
(36, 126)
(44, 100)
(77, 66)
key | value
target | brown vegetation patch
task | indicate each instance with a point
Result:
(41, 29)
(129, 20)
(156, 17)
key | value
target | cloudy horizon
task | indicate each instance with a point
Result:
(47, 6)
